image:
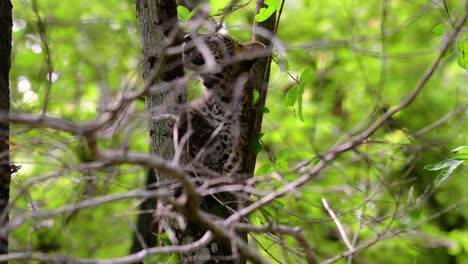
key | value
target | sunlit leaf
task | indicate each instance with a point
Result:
(460, 150)
(291, 96)
(299, 102)
(463, 50)
(461, 157)
(306, 77)
(463, 62)
(442, 165)
(264, 169)
(256, 96)
(256, 220)
(446, 172)
(439, 29)
(183, 13)
(283, 154)
(265, 13)
(281, 163)
(218, 5)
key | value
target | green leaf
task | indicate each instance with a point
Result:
(446, 168)
(265, 110)
(463, 62)
(299, 102)
(291, 96)
(441, 165)
(461, 157)
(460, 150)
(194, 90)
(256, 220)
(218, 5)
(283, 154)
(265, 13)
(305, 79)
(281, 163)
(282, 166)
(163, 237)
(257, 146)
(256, 96)
(446, 172)
(463, 52)
(183, 13)
(264, 169)
(439, 29)
(307, 76)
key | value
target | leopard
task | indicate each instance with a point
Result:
(213, 131)
(216, 123)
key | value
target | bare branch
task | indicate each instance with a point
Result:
(343, 234)
(139, 256)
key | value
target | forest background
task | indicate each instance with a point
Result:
(338, 66)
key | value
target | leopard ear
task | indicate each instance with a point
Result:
(253, 50)
(254, 46)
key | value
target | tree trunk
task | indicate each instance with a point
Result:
(260, 76)
(157, 20)
(5, 169)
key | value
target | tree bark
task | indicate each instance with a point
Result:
(5, 169)
(157, 21)
(260, 76)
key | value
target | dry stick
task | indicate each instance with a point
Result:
(45, 44)
(191, 207)
(90, 203)
(336, 150)
(338, 225)
(139, 256)
(384, 235)
(441, 120)
(282, 229)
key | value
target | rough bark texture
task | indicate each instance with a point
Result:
(260, 76)
(5, 64)
(157, 19)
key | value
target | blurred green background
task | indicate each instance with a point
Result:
(343, 66)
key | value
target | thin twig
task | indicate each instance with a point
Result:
(338, 225)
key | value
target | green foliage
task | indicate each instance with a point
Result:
(337, 76)
(291, 96)
(446, 167)
(439, 29)
(183, 13)
(463, 51)
(256, 96)
(218, 5)
(269, 10)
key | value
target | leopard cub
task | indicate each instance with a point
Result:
(216, 132)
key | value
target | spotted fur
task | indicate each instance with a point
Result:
(217, 133)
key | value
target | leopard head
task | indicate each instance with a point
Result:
(221, 61)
